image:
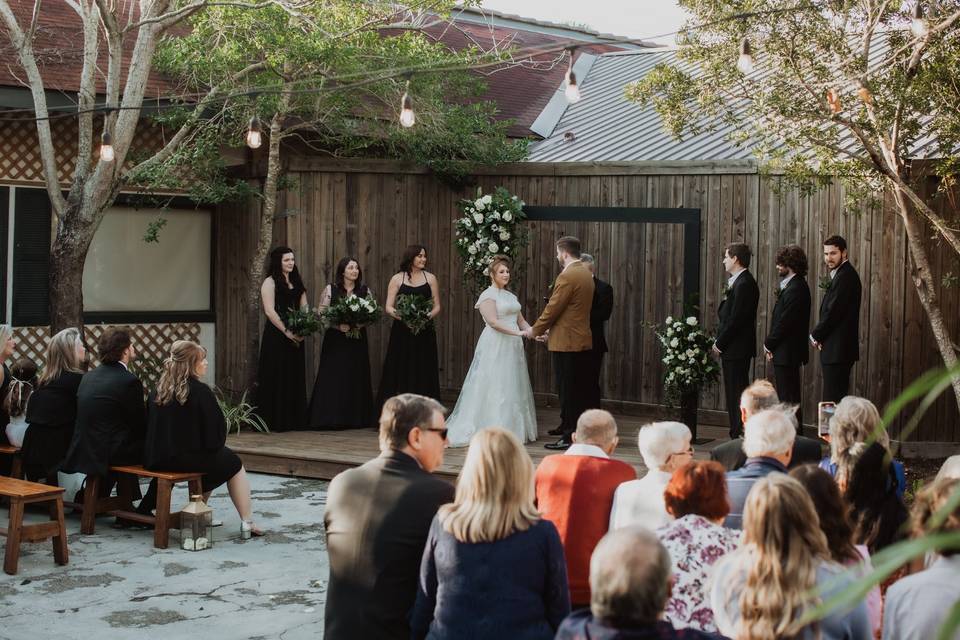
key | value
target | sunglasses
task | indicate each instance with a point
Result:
(442, 432)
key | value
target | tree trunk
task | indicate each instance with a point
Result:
(925, 284)
(67, 256)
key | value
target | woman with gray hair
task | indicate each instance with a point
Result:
(665, 447)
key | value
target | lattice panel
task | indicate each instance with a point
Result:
(152, 342)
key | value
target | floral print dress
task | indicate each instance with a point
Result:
(694, 544)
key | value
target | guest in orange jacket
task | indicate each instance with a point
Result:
(575, 491)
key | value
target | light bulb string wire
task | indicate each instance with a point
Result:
(181, 100)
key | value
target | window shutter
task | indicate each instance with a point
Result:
(4, 241)
(31, 258)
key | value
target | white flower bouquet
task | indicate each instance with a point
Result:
(489, 225)
(354, 311)
(686, 354)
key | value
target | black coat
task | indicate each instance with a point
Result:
(839, 327)
(111, 421)
(51, 414)
(731, 456)
(600, 312)
(737, 331)
(377, 519)
(788, 337)
(4, 416)
(184, 435)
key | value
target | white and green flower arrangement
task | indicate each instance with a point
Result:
(686, 354)
(489, 225)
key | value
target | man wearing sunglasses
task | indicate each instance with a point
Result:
(377, 519)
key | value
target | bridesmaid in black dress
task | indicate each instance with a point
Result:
(342, 395)
(281, 393)
(411, 364)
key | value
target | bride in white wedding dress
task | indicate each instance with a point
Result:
(496, 391)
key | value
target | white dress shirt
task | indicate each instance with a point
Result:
(578, 449)
(734, 277)
(640, 502)
(786, 281)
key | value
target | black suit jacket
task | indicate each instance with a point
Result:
(377, 520)
(839, 327)
(788, 337)
(51, 414)
(111, 421)
(600, 312)
(731, 456)
(737, 331)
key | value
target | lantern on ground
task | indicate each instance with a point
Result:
(196, 525)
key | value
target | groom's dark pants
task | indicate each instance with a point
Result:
(574, 372)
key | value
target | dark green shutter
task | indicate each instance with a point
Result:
(4, 240)
(31, 258)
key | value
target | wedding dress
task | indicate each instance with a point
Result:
(496, 391)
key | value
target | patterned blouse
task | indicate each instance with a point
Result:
(694, 544)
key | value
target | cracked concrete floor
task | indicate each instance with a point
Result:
(118, 586)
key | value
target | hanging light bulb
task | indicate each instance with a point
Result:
(745, 61)
(919, 25)
(254, 134)
(833, 100)
(571, 91)
(107, 153)
(407, 116)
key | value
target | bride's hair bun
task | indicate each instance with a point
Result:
(496, 261)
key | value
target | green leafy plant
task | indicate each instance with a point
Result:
(686, 354)
(414, 311)
(489, 225)
(240, 414)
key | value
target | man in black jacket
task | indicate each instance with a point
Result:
(377, 520)
(837, 334)
(737, 332)
(600, 312)
(786, 344)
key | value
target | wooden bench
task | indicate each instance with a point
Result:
(121, 505)
(16, 464)
(20, 493)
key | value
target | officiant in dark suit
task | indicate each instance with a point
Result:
(786, 343)
(567, 318)
(600, 312)
(736, 342)
(837, 334)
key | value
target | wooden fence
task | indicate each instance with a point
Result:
(372, 210)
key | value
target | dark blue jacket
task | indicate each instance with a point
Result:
(740, 482)
(514, 588)
(581, 625)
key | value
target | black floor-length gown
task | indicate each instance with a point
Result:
(343, 394)
(281, 395)
(411, 364)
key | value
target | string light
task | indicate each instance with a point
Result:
(254, 133)
(833, 100)
(572, 91)
(407, 117)
(107, 153)
(745, 61)
(919, 25)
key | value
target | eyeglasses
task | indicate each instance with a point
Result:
(687, 452)
(442, 432)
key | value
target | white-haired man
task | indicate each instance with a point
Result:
(768, 442)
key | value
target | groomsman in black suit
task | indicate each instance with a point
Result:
(737, 332)
(837, 334)
(786, 344)
(600, 312)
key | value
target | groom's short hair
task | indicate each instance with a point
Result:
(570, 245)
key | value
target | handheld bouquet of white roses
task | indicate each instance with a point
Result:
(686, 354)
(354, 311)
(489, 225)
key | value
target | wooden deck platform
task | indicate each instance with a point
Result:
(324, 454)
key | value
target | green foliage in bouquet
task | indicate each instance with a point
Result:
(686, 354)
(414, 311)
(354, 311)
(490, 225)
(303, 322)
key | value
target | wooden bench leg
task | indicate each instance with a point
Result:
(60, 552)
(91, 495)
(196, 488)
(16, 467)
(161, 528)
(12, 556)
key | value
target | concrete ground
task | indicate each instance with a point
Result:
(118, 586)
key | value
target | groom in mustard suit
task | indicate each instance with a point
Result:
(567, 318)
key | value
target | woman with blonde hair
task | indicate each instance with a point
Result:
(855, 424)
(186, 430)
(762, 590)
(492, 567)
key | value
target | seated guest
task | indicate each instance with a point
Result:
(918, 605)
(856, 421)
(835, 524)
(782, 567)
(492, 567)
(759, 396)
(878, 514)
(697, 499)
(665, 447)
(111, 418)
(53, 407)
(630, 585)
(23, 380)
(377, 519)
(575, 492)
(186, 430)
(950, 469)
(768, 442)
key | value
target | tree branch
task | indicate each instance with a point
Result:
(87, 92)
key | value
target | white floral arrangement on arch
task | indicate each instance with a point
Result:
(489, 225)
(686, 354)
